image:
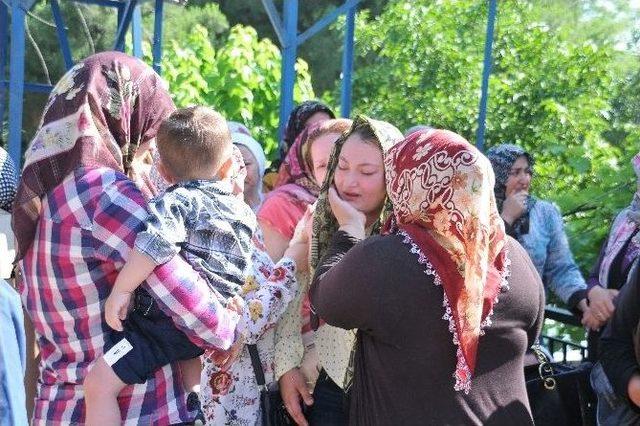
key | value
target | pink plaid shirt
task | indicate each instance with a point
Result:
(86, 230)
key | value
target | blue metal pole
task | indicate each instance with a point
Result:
(16, 81)
(488, 47)
(106, 3)
(347, 64)
(326, 20)
(121, 7)
(4, 39)
(288, 78)
(276, 23)
(157, 36)
(136, 31)
(62, 34)
(123, 24)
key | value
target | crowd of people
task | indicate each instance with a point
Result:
(377, 278)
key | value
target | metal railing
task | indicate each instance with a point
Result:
(554, 344)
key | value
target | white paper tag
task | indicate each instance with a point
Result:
(119, 350)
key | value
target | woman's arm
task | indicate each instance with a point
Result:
(267, 303)
(341, 291)
(278, 218)
(560, 273)
(289, 348)
(179, 290)
(274, 241)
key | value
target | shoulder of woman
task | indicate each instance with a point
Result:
(547, 207)
(387, 247)
(518, 256)
(107, 184)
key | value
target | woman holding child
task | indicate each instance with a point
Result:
(80, 205)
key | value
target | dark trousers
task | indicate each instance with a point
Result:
(329, 403)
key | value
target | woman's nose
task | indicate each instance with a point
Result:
(350, 180)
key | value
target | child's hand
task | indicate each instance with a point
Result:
(236, 304)
(116, 308)
(232, 354)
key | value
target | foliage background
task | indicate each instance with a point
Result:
(565, 82)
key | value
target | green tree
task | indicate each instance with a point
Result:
(92, 29)
(241, 79)
(421, 62)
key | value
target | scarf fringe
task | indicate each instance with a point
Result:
(462, 375)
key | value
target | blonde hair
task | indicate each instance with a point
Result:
(336, 125)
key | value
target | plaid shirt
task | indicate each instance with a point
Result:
(85, 233)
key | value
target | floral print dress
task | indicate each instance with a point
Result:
(232, 397)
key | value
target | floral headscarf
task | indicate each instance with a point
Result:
(298, 118)
(294, 169)
(324, 221)
(97, 115)
(441, 188)
(502, 158)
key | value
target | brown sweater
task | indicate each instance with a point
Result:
(405, 357)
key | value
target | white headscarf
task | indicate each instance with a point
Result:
(254, 147)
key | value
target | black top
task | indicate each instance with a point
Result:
(617, 353)
(405, 357)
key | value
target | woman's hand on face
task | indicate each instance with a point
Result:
(293, 389)
(514, 206)
(349, 218)
(298, 249)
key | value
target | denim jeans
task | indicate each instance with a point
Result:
(12, 358)
(328, 407)
(612, 409)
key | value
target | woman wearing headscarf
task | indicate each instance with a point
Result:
(307, 114)
(303, 116)
(616, 379)
(536, 224)
(618, 257)
(256, 163)
(311, 356)
(81, 201)
(305, 167)
(442, 328)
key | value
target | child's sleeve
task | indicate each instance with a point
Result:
(178, 289)
(165, 227)
(267, 295)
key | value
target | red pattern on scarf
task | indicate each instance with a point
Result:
(441, 188)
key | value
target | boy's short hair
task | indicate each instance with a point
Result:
(194, 138)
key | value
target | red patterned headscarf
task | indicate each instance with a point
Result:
(441, 188)
(97, 115)
(294, 169)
